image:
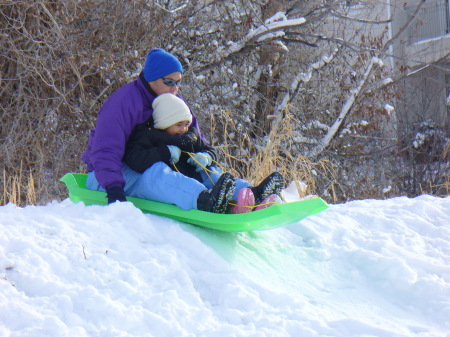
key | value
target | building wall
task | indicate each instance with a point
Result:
(427, 38)
(422, 50)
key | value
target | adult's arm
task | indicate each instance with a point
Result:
(115, 122)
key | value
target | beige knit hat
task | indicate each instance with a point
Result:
(168, 110)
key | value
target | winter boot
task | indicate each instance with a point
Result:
(271, 200)
(273, 184)
(245, 201)
(216, 199)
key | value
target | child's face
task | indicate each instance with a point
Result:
(179, 128)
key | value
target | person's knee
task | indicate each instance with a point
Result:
(161, 166)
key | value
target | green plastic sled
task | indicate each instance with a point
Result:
(268, 218)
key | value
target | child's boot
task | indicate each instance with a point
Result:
(273, 184)
(269, 201)
(216, 199)
(245, 201)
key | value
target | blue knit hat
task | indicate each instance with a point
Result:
(160, 63)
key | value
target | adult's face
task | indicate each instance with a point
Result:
(159, 87)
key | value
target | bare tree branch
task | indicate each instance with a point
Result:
(325, 141)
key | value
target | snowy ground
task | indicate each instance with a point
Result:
(365, 268)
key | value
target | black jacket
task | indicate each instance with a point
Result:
(148, 146)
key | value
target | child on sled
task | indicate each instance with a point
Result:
(172, 164)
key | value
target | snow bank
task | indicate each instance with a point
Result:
(365, 268)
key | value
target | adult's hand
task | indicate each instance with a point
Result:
(115, 193)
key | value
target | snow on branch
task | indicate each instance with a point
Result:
(172, 10)
(272, 28)
(276, 17)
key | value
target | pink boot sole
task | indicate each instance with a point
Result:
(268, 201)
(245, 202)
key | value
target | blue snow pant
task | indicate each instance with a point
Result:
(160, 183)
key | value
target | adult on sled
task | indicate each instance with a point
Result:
(179, 168)
(127, 107)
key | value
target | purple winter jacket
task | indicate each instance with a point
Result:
(127, 107)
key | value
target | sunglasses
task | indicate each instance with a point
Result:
(170, 83)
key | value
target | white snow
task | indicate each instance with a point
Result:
(386, 81)
(257, 33)
(389, 109)
(364, 268)
(270, 35)
(276, 17)
(377, 61)
(387, 189)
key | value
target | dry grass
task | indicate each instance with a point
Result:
(275, 155)
(18, 189)
(442, 189)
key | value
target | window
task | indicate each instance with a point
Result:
(432, 20)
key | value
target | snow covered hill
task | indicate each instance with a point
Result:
(364, 268)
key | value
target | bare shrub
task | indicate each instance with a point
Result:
(58, 62)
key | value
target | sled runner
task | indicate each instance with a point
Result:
(268, 218)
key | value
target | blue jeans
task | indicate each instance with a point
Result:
(160, 183)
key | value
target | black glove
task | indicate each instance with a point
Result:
(115, 193)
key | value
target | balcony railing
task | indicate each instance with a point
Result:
(432, 21)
